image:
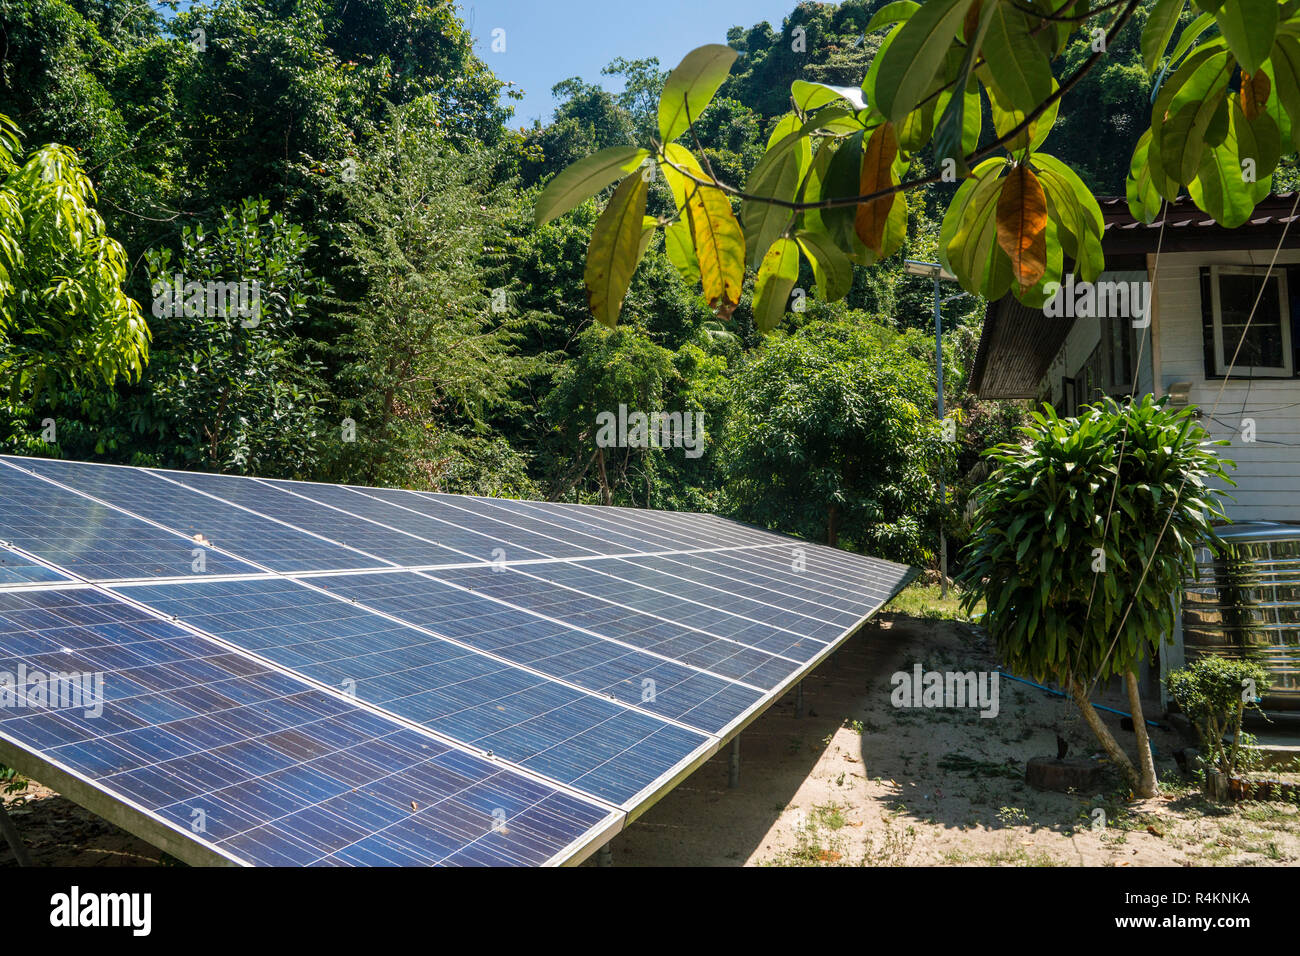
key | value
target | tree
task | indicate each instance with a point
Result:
(832, 184)
(611, 369)
(234, 386)
(63, 315)
(1083, 537)
(427, 354)
(832, 439)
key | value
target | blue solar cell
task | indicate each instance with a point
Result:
(476, 539)
(633, 530)
(559, 539)
(254, 762)
(659, 634)
(92, 540)
(736, 597)
(454, 690)
(16, 569)
(805, 577)
(386, 543)
(252, 537)
(588, 660)
(654, 593)
(441, 525)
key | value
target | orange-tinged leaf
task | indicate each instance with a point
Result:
(972, 21)
(877, 174)
(1255, 88)
(1022, 225)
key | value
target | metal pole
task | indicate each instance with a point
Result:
(798, 699)
(733, 775)
(605, 855)
(943, 496)
(15, 841)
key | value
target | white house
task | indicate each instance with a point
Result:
(1178, 338)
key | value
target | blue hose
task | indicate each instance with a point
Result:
(1059, 693)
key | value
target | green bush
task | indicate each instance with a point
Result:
(1082, 539)
(1215, 694)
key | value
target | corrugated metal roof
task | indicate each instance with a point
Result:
(1274, 209)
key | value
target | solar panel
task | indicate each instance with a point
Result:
(336, 675)
(224, 760)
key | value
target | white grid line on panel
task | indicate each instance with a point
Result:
(278, 575)
(537, 614)
(340, 695)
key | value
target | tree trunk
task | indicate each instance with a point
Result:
(1147, 786)
(1113, 750)
(606, 495)
(833, 525)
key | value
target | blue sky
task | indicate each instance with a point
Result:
(550, 40)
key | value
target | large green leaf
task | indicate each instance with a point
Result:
(832, 270)
(957, 108)
(1194, 95)
(1144, 196)
(1074, 215)
(1219, 188)
(809, 96)
(895, 12)
(843, 177)
(956, 212)
(579, 182)
(1286, 80)
(1190, 35)
(776, 175)
(1019, 70)
(970, 251)
(691, 86)
(776, 278)
(677, 244)
(1249, 26)
(1006, 119)
(1159, 30)
(615, 249)
(1258, 140)
(907, 66)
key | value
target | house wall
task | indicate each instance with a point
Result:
(1268, 469)
(1082, 341)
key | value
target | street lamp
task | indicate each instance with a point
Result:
(935, 271)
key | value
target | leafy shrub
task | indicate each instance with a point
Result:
(1215, 693)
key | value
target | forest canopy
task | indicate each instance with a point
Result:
(352, 169)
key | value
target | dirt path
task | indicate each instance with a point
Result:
(857, 782)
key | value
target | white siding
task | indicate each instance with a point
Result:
(1082, 341)
(1268, 469)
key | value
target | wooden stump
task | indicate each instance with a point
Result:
(1070, 773)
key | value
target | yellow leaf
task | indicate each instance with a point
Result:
(1022, 225)
(715, 232)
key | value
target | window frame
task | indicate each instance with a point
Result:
(1221, 360)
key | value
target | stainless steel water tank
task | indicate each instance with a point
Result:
(1247, 604)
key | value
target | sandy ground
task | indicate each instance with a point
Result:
(857, 782)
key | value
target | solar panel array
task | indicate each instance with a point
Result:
(268, 672)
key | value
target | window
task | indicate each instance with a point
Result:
(1263, 348)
